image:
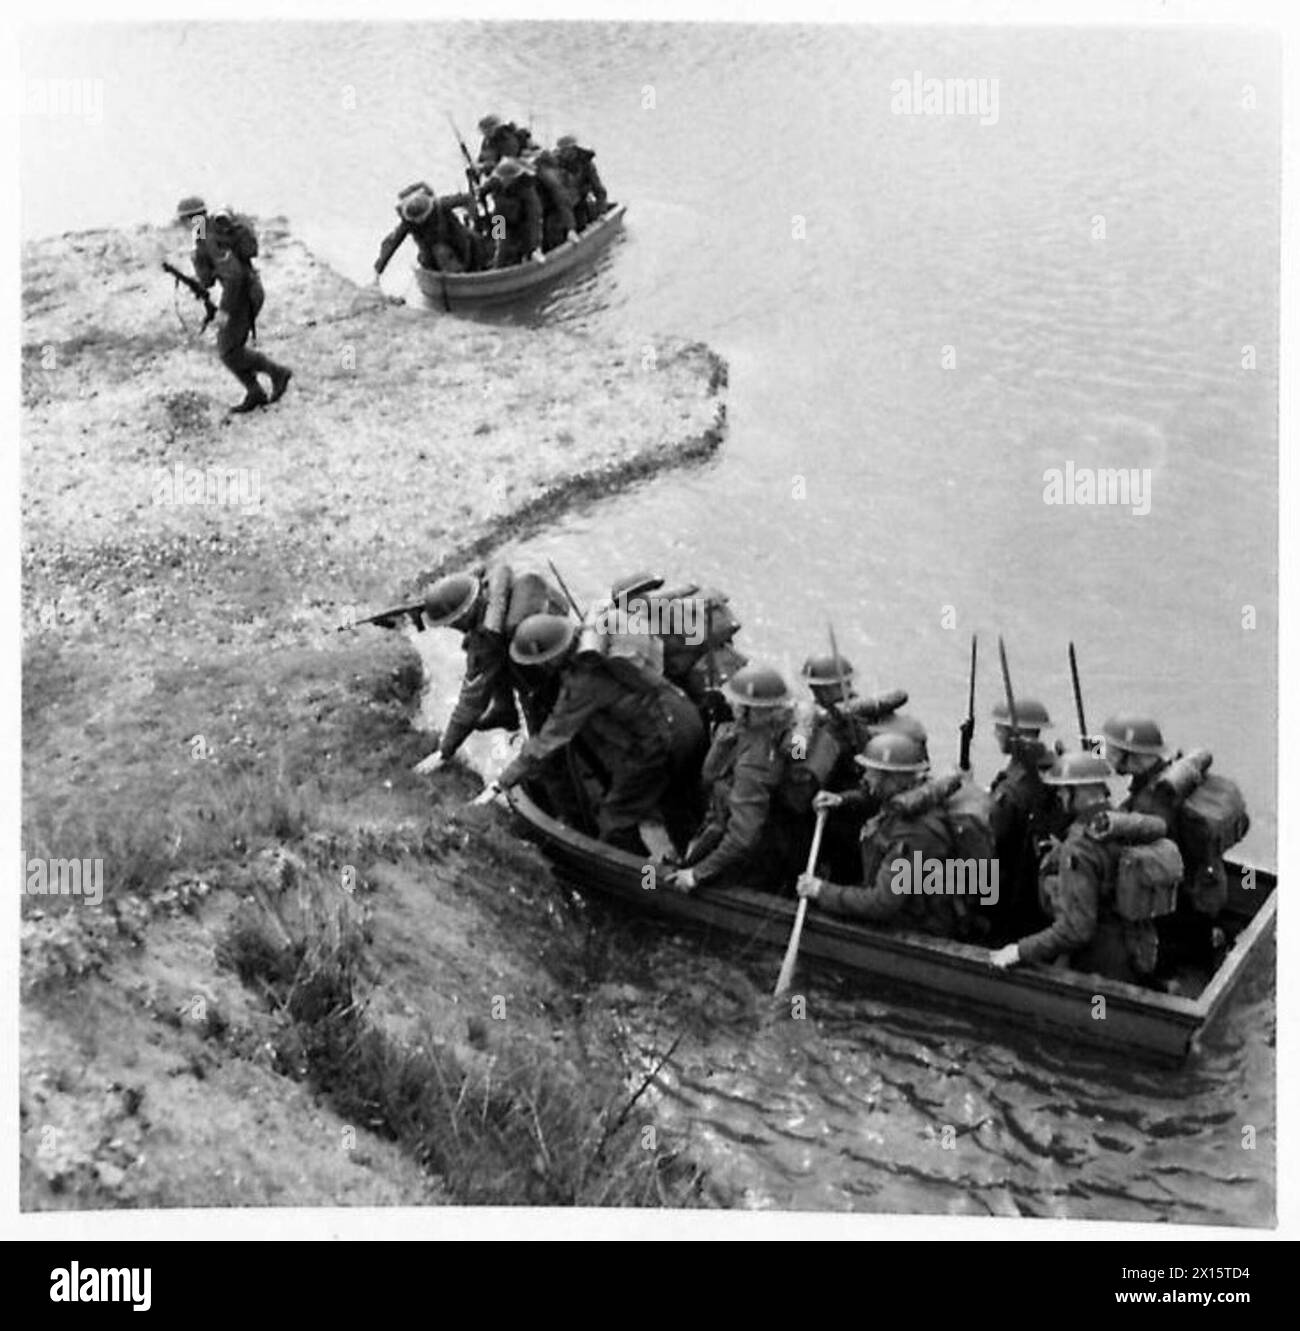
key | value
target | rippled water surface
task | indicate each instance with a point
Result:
(921, 237)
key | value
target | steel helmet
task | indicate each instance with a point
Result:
(894, 751)
(567, 141)
(450, 599)
(827, 669)
(1030, 714)
(636, 584)
(190, 206)
(508, 170)
(900, 723)
(488, 124)
(757, 686)
(416, 202)
(541, 638)
(1078, 769)
(1134, 734)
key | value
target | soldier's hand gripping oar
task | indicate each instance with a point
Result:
(792, 948)
(968, 725)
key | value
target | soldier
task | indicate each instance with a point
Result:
(747, 833)
(1101, 920)
(516, 214)
(1024, 811)
(847, 720)
(1135, 748)
(444, 242)
(625, 725)
(558, 224)
(585, 187)
(487, 606)
(501, 139)
(224, 249)
(901, 827)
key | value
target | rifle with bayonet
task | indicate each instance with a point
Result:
(193, 285)
(968, 725)
(1085, 741)
(474, 177)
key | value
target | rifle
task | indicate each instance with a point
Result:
(1084, 742)
(389, 619)
(1011, 699)
(568, 595)
(209, 309)
(968, 725)
(474, 177)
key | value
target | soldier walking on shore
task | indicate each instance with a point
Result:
(224, 249)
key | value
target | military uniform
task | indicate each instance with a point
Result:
(224, 252)
(891, 834)
(628, 731)
(519, 206)
(445, 244)
(748, 834)
(505, 140)
(487, 692)
(1077, 888)
(1024, 810)
(585, 187)
(557, 202)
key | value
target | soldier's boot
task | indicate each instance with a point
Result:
(256, 363)
(254, 396)
(280, 377)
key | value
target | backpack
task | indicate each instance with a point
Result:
(1148, 866)
(1210, 820)
(240, 237)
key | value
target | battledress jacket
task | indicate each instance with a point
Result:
(439, 228)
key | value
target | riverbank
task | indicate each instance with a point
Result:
(314, 978)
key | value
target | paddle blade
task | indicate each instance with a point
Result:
(792, 951)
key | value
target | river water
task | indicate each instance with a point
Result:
(922, 315)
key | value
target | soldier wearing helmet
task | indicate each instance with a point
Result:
(224, 248)
(747, 834)
(586, 189)
(622, 721)
(1024, 811)
(841, 722)
(515, 207)
(1077, 881)
(444, 240)
(501, 139)
(486, 605)
(1135, 748)
(895, 766)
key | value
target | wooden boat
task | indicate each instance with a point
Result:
(500, 286)
(1143, 1022)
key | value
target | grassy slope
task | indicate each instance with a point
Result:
(299, 939)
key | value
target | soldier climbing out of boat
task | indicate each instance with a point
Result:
(1025, 812)
(585, 186)
(444, 241)
(487, 606)
(1205, 814)
(1104, 885)
(224, 248)
(751, 832)
(558, 222)
(516, 213)
(909, 821)
(622, 719)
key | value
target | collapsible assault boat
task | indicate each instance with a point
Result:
(1137, 1021)
(499, 286)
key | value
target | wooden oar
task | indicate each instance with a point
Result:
(792, 948)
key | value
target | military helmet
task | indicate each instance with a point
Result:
(894, 751)
(1078, 769)
(488, 124)
(566, 141)
(223, 219)
(899, 723)
(1134, 734)
(827, 669)
(450, 599)
(416, 202)
(757, 686)
(541, 638)
(190, 206)
(1030, 714)
(636, 584)
(508, 170)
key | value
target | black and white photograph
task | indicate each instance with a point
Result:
(664, 619)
